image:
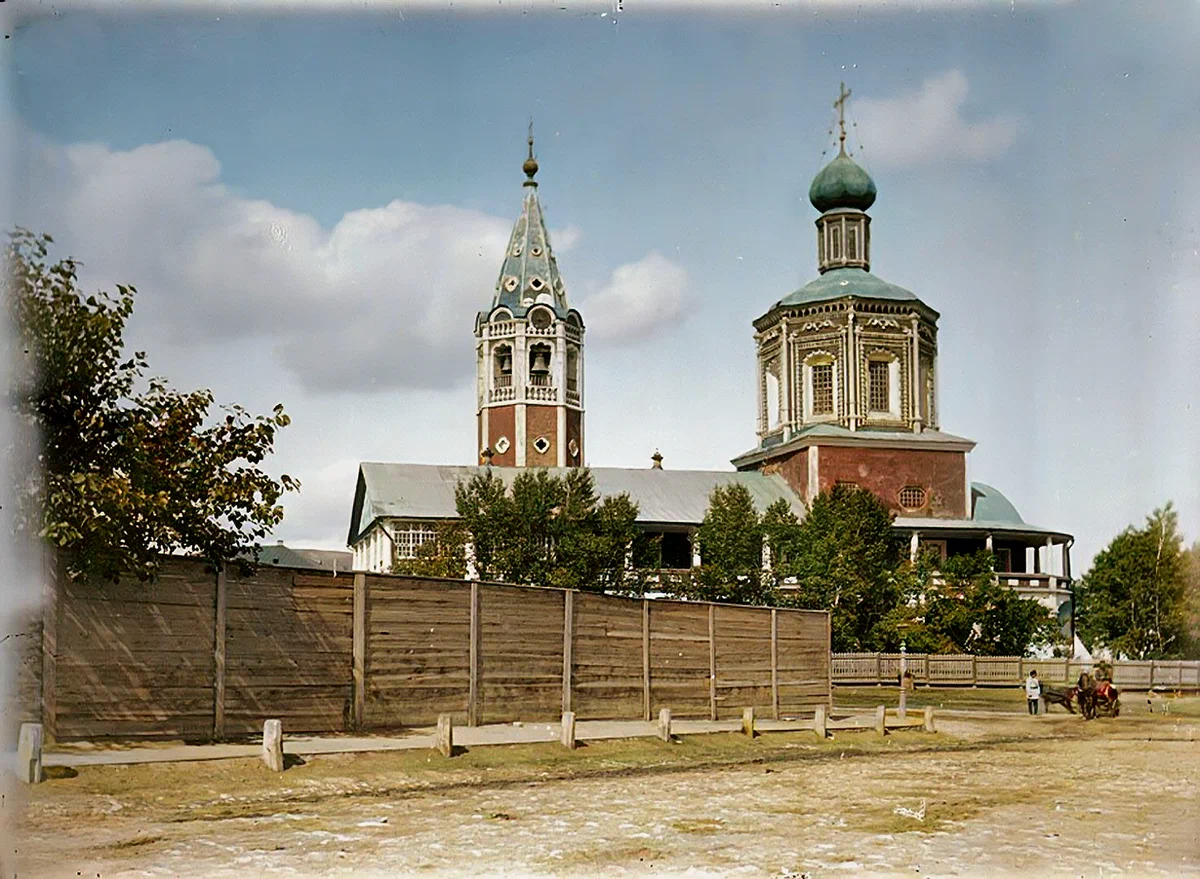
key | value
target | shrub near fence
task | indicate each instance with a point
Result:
(200, 655)
(1006, 671)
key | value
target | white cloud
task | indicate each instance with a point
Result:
(639, 299)
(322, 506)
(928, 126)
(385, 299)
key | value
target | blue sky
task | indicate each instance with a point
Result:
(310, 205)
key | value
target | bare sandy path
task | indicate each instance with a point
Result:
(1121, 802)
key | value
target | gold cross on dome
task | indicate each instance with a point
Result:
(840, 106)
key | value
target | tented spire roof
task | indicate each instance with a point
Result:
(530, 274)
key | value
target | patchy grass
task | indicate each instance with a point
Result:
(626, 854)
(698, 825)
(1008, 699)
(245, 788)
(136, 842)
(968, 698)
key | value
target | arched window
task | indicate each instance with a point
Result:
(851, 242)
(502, 366)
(573, 369)
(835, 242)
(539, 366)
(883, 384)
(820, 387)
(877, 378)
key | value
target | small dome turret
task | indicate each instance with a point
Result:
(842, 184)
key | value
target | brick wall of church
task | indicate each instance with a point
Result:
(502, 422)
(886, 471)
(575, 432)
(541, 421)
(794, 470)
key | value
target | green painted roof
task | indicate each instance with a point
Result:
(840, 283)
(991, 506)
(842, 184)
(530, 274)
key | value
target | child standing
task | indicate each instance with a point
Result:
(1033, 692)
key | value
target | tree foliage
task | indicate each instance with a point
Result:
(963, 608)
(549, 530)
(731, 551)
(444, 556)
(1133, 600)
(129, 467)
(1192, 600)
(843, 557)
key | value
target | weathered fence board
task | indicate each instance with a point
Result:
(118, 645)
(418, 651)
(183, 656)
(606, 658)
(522, 653)
(273, 619)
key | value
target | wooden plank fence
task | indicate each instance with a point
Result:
(205, 656)
(1007, 671)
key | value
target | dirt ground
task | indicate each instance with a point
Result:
(1003, 796)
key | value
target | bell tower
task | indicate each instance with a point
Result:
(529, 352)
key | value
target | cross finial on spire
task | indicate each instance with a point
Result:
(531, 166)
(840, 106)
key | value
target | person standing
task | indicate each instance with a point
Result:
(1033, 692)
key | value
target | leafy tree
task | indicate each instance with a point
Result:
(1132, 601)
(969, 611)
(481, 503)
(125, 474)
(781, 529)
(1192, 599)
(845, 560)
(444, 556)
(549, 530)
(731, 546)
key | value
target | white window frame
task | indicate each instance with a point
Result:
(821, 358)
(893, 362)
(408, 536)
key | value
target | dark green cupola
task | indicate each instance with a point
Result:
(842, 184)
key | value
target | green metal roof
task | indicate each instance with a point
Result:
(843, 282)
(842, 184)
(530, 273)
(989, 505)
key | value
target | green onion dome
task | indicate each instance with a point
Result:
(842, 184)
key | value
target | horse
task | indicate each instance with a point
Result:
(1085, 695)
(1059, 696)
(1097, 697)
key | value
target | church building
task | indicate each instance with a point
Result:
(847, 390)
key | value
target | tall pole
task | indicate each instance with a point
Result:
(903, 686)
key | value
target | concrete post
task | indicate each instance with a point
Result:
(819, 726)
(881, 720)
(29, 753)
(664, 724)
(748, 722)
(903, 711)
(272, 752)
(568, 729)
(444, 741)
(929, 719)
